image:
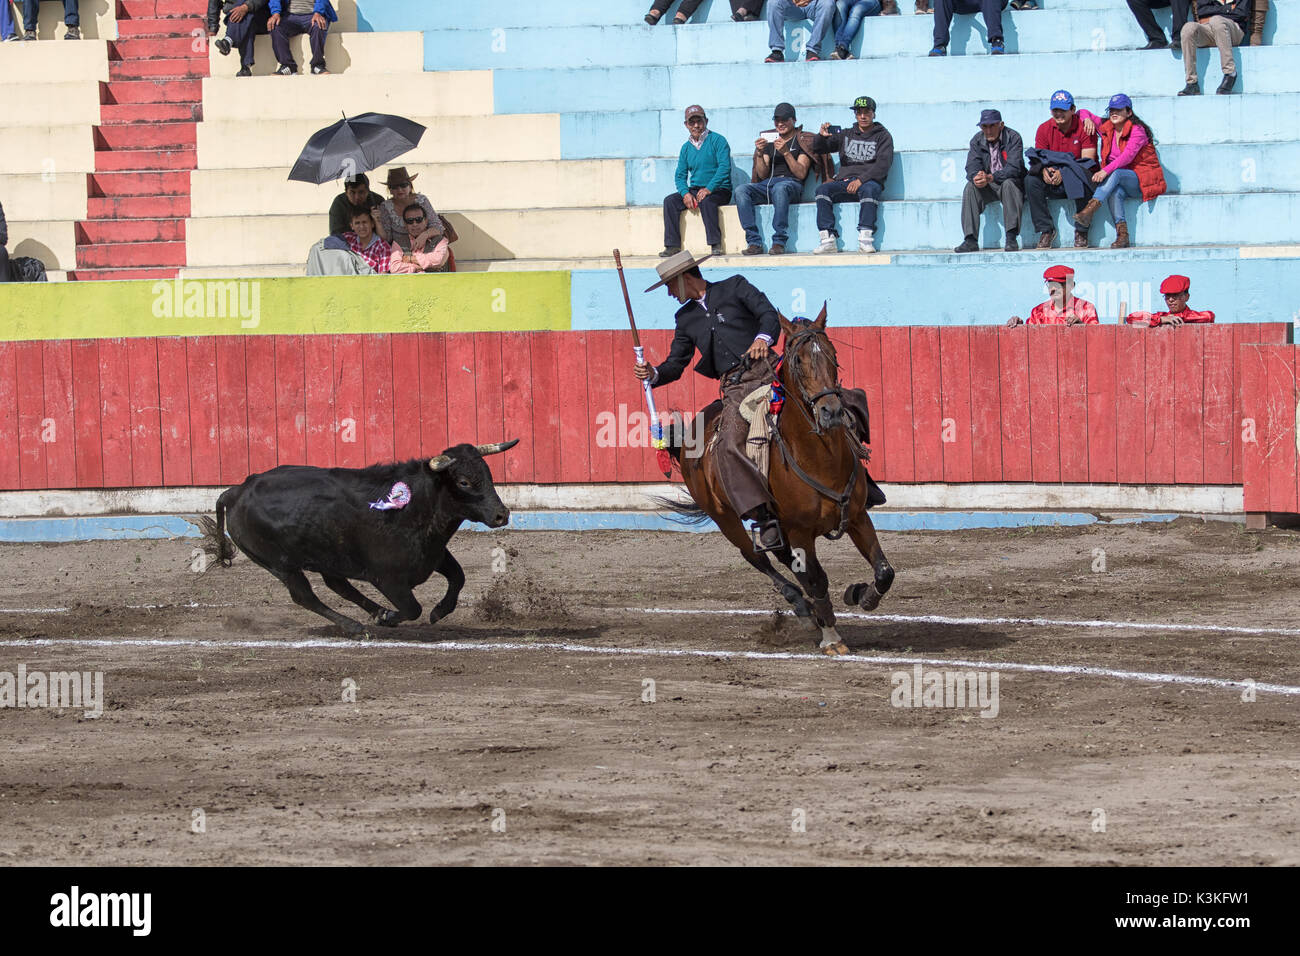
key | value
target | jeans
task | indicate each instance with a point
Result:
(820, 12)
(674, 206)
(944, 10)
(32, 7)
(7, 30)
(780, 191)
(1037, 192)
(1120, 183)
(850, 14)
(867, 197)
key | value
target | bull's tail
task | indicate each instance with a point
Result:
(683, 512)
(216, 542)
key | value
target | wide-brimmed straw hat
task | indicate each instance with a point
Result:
(674, 266)
(398, 176)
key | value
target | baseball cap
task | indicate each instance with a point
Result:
(783, 111)
(694, 111)
(1058, 273)
(989, 117)
(1062, 100)
(864, 103)
(1174, 285)
(1120, 101)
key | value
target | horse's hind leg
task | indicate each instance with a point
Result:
(867, 594)
(735, 532)
(803, 554)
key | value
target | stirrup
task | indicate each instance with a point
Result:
(756, 536)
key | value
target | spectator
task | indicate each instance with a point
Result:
(4, 239)
(388, 219)
(1174, 289)
(866, 153)
(362, 240)
(995, 172)
(245, 21)
(1259, 13)
(71, 18)
(332, 257)
(1147, 21)
(781, 164)
(289, 18)
(740, 10)
(1129, 167)
(1061, 165)
(422, 254)
(1061, 307)
(849, 15)
(356, 193)
(8, 28)
(703, 183)
(820, 12)
(943, 14)
(1221, 24)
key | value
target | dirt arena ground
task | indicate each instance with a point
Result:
(556, 747)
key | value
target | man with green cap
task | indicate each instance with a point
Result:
(866, 153)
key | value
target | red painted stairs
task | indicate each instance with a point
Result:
(145, 143)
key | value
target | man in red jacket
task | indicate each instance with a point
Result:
(1174, 289)
(1061, 307)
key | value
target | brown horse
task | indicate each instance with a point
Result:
(818, 484)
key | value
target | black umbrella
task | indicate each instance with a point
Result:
(355, 145)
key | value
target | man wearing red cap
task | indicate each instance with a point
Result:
(1061, 307)
(1174, 289)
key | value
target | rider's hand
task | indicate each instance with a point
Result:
(643, 371)
(758, 350)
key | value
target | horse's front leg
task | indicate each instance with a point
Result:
(801, 558)
(867, 594)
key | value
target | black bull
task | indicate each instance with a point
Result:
(297, 518)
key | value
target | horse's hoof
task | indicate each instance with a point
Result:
(835, 650)
(852, 593)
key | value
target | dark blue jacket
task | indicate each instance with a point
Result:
(1076, 174)
(1238, 11)
(1012, 148)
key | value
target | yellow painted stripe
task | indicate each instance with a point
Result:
(471, 302)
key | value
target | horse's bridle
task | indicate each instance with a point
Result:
(792, 346)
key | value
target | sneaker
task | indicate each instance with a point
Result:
(244, 71)
(1155, 45)
(812, 56)
(1013, 242)
(939, 51)
(996, 47)
(669, 251)
(1191, 89)
(1045, 239)
(717, 249)
(968, 245)
(286, 70)
(29, 35)
(74, 33)
(776, 56)
(1229, 81)
(752, 250)
(318, 71)
(866, 240)
(840, 53)
(827, 244)
(778, 249)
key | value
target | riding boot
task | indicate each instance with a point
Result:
(769, 536)
(1257, 22)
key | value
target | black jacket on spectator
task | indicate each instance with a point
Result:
(865, 156)
(4, 228)
(1010, 146)
(217, 7)
(737, 313)
(1238, 11)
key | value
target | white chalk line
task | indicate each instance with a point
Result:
(340, 644)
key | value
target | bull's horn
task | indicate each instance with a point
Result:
(495, 447)
(441, 462)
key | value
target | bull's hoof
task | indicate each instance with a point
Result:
(835, 650)
(435, 615)
(386, 618)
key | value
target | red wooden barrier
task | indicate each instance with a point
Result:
(1104, 404)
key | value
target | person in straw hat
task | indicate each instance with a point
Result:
(388, 217)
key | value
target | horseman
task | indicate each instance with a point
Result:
(734, 327)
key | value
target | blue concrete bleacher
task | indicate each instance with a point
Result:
(1232, 162)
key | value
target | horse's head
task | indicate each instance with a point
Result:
(810, 371)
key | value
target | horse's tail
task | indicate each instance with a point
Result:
(682, 512)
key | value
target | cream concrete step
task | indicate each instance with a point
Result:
(36, 103)
(33, 196)
(252, 142)
(325, 97)
(344, 53)
(58, 151)
(84, 61)
(52, 241)
(541, 185)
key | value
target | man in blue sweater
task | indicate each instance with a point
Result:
(703, 183)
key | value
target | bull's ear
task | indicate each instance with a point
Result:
(441, 462)
(820, 322)
(495, 447)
